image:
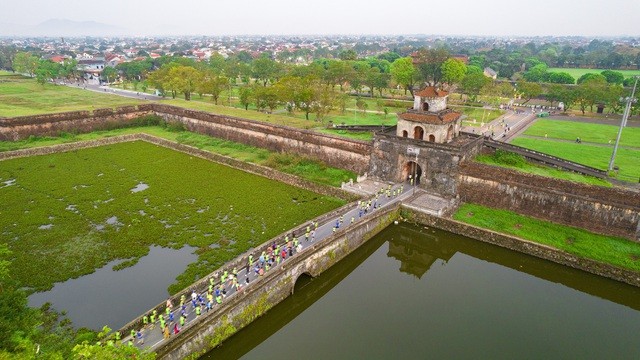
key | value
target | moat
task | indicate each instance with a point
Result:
(413, 292)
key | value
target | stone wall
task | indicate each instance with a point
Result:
(526, 247)
(438, 162)
(610, 211)
(334, 151)
(19, 128)
(210, 329)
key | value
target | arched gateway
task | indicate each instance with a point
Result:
(413, 169)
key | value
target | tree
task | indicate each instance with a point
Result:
(613, 77)
(390, 56)
(245, 93)
(25, 63)
(472, 84)
(162, 79)
(184, 79)
(591, 91)
(339, 73)
(266, 97)
(361, 70)
(453, 70)
(326, 99)
(612, 98)
(589, 76)
(375, 79)
(404, 73)
(537, 73)
(297, 92)
(528, 90)
(109, 74)
(348, 54)
(473, 69)
(46, 71)
(561, 78)
(554, 93)
(429, 63)
(264, 69)
(213, 84)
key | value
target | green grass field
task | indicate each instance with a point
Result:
(517, 162)
(577, 73)
(87, 214)
(606, 249)
(21, 96)
(596, 133)
(592, 155)
(304, 167)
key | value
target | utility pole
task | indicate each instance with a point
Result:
(625, 116)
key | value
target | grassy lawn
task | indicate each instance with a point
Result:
(577, 73)
(592, 155)
(359, 118)
(480, 115)
(304, 167)
(597, 133)
(279, 119)
(517, 162)
(21, 96)
(87, 214)
(606, 249)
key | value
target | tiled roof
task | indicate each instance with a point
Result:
(441, 118)
(431, 92)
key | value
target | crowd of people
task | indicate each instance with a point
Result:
(227, 282)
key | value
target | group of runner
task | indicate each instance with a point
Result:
(174, 318)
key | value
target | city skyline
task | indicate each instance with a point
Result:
(332, 17)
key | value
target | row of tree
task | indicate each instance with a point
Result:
(44, 70)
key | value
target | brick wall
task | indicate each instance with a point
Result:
(610, 211)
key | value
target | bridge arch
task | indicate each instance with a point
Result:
(302, 280)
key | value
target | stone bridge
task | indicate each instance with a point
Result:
(238, 309)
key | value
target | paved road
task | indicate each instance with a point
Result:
(152, 335)
(115, 91)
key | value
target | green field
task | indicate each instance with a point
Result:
(577, 73)
(86, 213)
(517, 162)
(21, 96)
(606, 249)
(587, 132)
(592, 155)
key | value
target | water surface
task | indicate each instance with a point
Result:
(417, 293)
(114, 298)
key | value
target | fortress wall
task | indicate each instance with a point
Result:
(334, 151)
(609, 211)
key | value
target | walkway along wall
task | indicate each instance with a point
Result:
(609, 211)
(334, 151)
(208, 331)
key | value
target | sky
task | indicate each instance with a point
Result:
(287, 17)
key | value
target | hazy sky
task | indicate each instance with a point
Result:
(457, 17)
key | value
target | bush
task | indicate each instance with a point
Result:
(509, 158)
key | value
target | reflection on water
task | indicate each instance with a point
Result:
(452, 297)
(114, 298)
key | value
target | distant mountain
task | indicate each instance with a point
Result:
(62, 27)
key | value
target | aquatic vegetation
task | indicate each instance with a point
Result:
(65, 215)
